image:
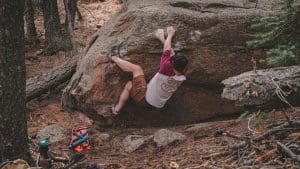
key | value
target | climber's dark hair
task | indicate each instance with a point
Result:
(179, 62)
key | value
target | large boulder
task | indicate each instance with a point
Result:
(211, 33)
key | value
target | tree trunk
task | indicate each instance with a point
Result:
(261, 88)
(30, 26)
(13, 126)
(70, 8)
(69, 25)
(55, 38)
(41, 84)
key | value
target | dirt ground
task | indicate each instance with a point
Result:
(194, 152)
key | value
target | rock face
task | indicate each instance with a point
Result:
(211, 33)
(165, 137)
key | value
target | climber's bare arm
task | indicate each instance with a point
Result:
(168, 41)
(160, 35)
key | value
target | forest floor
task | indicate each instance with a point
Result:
(201, 149)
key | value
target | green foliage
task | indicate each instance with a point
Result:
(256, 118)
(242, 117)
(279, 34)
(282, 55)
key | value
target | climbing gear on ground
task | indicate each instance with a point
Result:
(43, 146)
(79, 139)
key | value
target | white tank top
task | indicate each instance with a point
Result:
(161, 88)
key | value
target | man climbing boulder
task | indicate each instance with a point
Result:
(161, 87)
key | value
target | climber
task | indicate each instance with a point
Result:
(161, 87)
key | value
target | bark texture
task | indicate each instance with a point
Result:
(212, 34)
(259, 88)
(69, 22)
(56, 38)
(70, 8)
(38, 85)
(30, 25)
(13, 126)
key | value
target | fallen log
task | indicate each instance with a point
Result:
(40, 84)
(288, 126)
(264, 87)
(289, 152)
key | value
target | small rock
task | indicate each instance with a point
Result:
(53, 133)
(173, 165)
(198, 127)
(133, 142)
(164, 137)
(104, 137)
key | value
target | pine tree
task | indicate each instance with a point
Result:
(281, 34)
(13, 117)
